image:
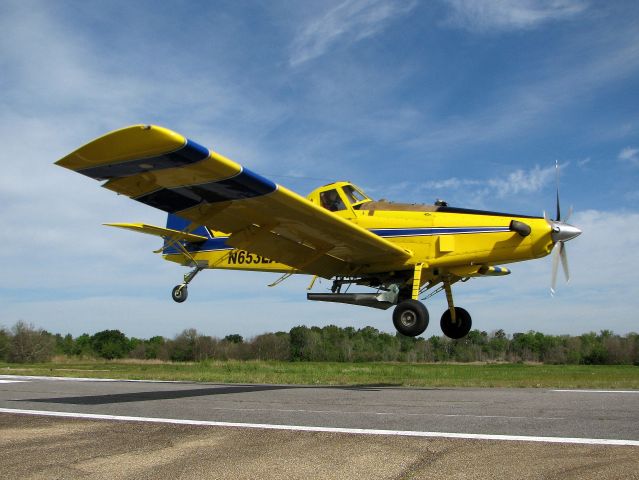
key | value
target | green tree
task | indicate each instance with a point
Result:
(304, 343)
(234, 338)
(271, 346)
(65, 345)
(498, 345)
(593, 351)
(183, 346)
(110, 344)
(155, 347)
(5, 341)
(83, 346)
(29, 344)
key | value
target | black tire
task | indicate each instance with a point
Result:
(459, 329)
(180, 293)
(410, 318)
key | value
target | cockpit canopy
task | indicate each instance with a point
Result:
(339, 196)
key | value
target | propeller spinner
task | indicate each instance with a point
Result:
(561, 233)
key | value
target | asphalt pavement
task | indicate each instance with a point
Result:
(127, 429)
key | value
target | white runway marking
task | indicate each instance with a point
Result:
(12, 381)
(301, 428)
(400, 414)
(79, 379)
(596, 391)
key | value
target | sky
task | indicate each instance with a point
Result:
(470, 101)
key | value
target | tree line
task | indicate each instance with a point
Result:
(24, 343)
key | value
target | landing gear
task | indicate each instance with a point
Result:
(180, 292)
(457, 327)
(456, 321)
(410, 318)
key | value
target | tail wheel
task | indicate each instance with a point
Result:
(462, 324)
(410, 318)
(180, 293)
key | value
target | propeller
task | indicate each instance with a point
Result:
(560, 234)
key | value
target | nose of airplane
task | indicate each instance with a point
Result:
(562, 232)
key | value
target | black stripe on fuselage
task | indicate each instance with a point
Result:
(245, 184)
(481, 212)
(190, 153)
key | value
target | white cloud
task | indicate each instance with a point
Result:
(516, 182)
(506, 15)
(525, 181)
(583, 162)
(630, 155)
(347, 23)
(450, 183)
(63, 85)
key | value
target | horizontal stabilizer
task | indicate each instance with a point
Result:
(166, 233)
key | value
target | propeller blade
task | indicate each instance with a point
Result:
(569, 215)
(564, 262)
(558, 218)
(555, 264)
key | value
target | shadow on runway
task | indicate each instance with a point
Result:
(193, 392)
(155, 395)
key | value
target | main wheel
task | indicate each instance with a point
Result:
(410, 318)
(180, 293)
(460, 328)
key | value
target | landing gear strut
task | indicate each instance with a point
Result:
(180, 292)
(410, 316)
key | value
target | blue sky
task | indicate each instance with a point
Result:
(470, 101)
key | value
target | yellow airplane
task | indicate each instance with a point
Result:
(224, 216)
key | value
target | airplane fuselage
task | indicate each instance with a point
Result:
(439, 237)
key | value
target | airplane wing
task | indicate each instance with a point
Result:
(163, 169)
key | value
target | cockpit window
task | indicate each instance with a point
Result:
(331, 200)
(353, 195)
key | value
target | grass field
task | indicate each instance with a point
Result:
(310, 373)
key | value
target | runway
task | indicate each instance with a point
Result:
(591, 428)
(560, 414)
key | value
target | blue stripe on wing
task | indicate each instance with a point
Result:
(245, 184)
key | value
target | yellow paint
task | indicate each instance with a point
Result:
(417, 280)
(214, 168)
(446, 243)
(138, 141)
(284, 232)
(463, 253)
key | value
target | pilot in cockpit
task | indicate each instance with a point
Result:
(331, 200)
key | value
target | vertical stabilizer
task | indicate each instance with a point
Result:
(175, 222)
